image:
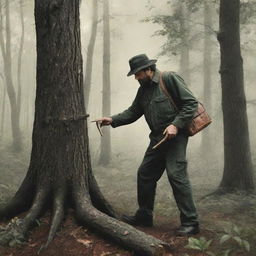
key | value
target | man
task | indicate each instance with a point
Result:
(163, 120)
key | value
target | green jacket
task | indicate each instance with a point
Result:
(151, 102)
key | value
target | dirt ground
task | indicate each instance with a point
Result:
(78, 241)
(74, 240)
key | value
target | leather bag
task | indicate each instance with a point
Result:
(200, 120)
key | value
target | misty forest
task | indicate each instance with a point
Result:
(65, 182)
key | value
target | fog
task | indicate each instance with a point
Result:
(129, 37)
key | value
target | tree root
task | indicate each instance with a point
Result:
(98, 199)
(58, 215)
(20, 202)
(218, 192)
(16, 231)
(120, 232)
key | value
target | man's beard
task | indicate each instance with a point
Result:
(145, 81)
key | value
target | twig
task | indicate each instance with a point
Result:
(98, 126)
(161, 141)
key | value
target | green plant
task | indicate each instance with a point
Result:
(235, 234)
(200, 244)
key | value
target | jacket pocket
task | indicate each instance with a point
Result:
(164, 111)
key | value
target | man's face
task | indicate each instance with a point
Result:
(143, 77)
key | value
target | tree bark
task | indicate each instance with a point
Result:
(60, 168)
(90, 51)
(238, 170)
(105, 153)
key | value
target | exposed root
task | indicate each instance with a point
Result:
(221, 191)
(20, 202)
(58, 214)
(15, 232)
(216, 193)
(122, 233)
(98, 199)
(88, 213)
(34, 212)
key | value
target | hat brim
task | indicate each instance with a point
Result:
(132, 72)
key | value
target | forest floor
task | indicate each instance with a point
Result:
(232, 214)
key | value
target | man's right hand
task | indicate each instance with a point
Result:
(104, 121)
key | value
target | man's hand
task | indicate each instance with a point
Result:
(103, 121)
(170, 131)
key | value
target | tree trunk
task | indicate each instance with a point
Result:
(60, 169)
(2, 77)
(207, 75)
(184, 57)
(27, 112)
(20, 57)
(105, 154)
(3, 110)
(238, 170)
(16, 133)
(90, 51)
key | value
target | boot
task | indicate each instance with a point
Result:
(187, 230)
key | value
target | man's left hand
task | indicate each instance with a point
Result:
(170, 131)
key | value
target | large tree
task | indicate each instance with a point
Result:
(60, 174)
(238, 170)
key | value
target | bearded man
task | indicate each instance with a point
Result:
(163, 119)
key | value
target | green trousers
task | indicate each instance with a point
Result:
(171, 156)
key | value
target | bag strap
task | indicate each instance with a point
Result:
(164, 89)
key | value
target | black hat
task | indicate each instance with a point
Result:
(139, 62)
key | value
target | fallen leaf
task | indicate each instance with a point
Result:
(87, 243)
(74, 232)
(33, 245)
(109, 254)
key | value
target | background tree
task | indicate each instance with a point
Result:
(7, 61)
(105, 149)
(20, 56)
(238, 170)
(207, 74)
(175, 28)
(90, 52)
(60, 175)
(2, 107)
(184, 15)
